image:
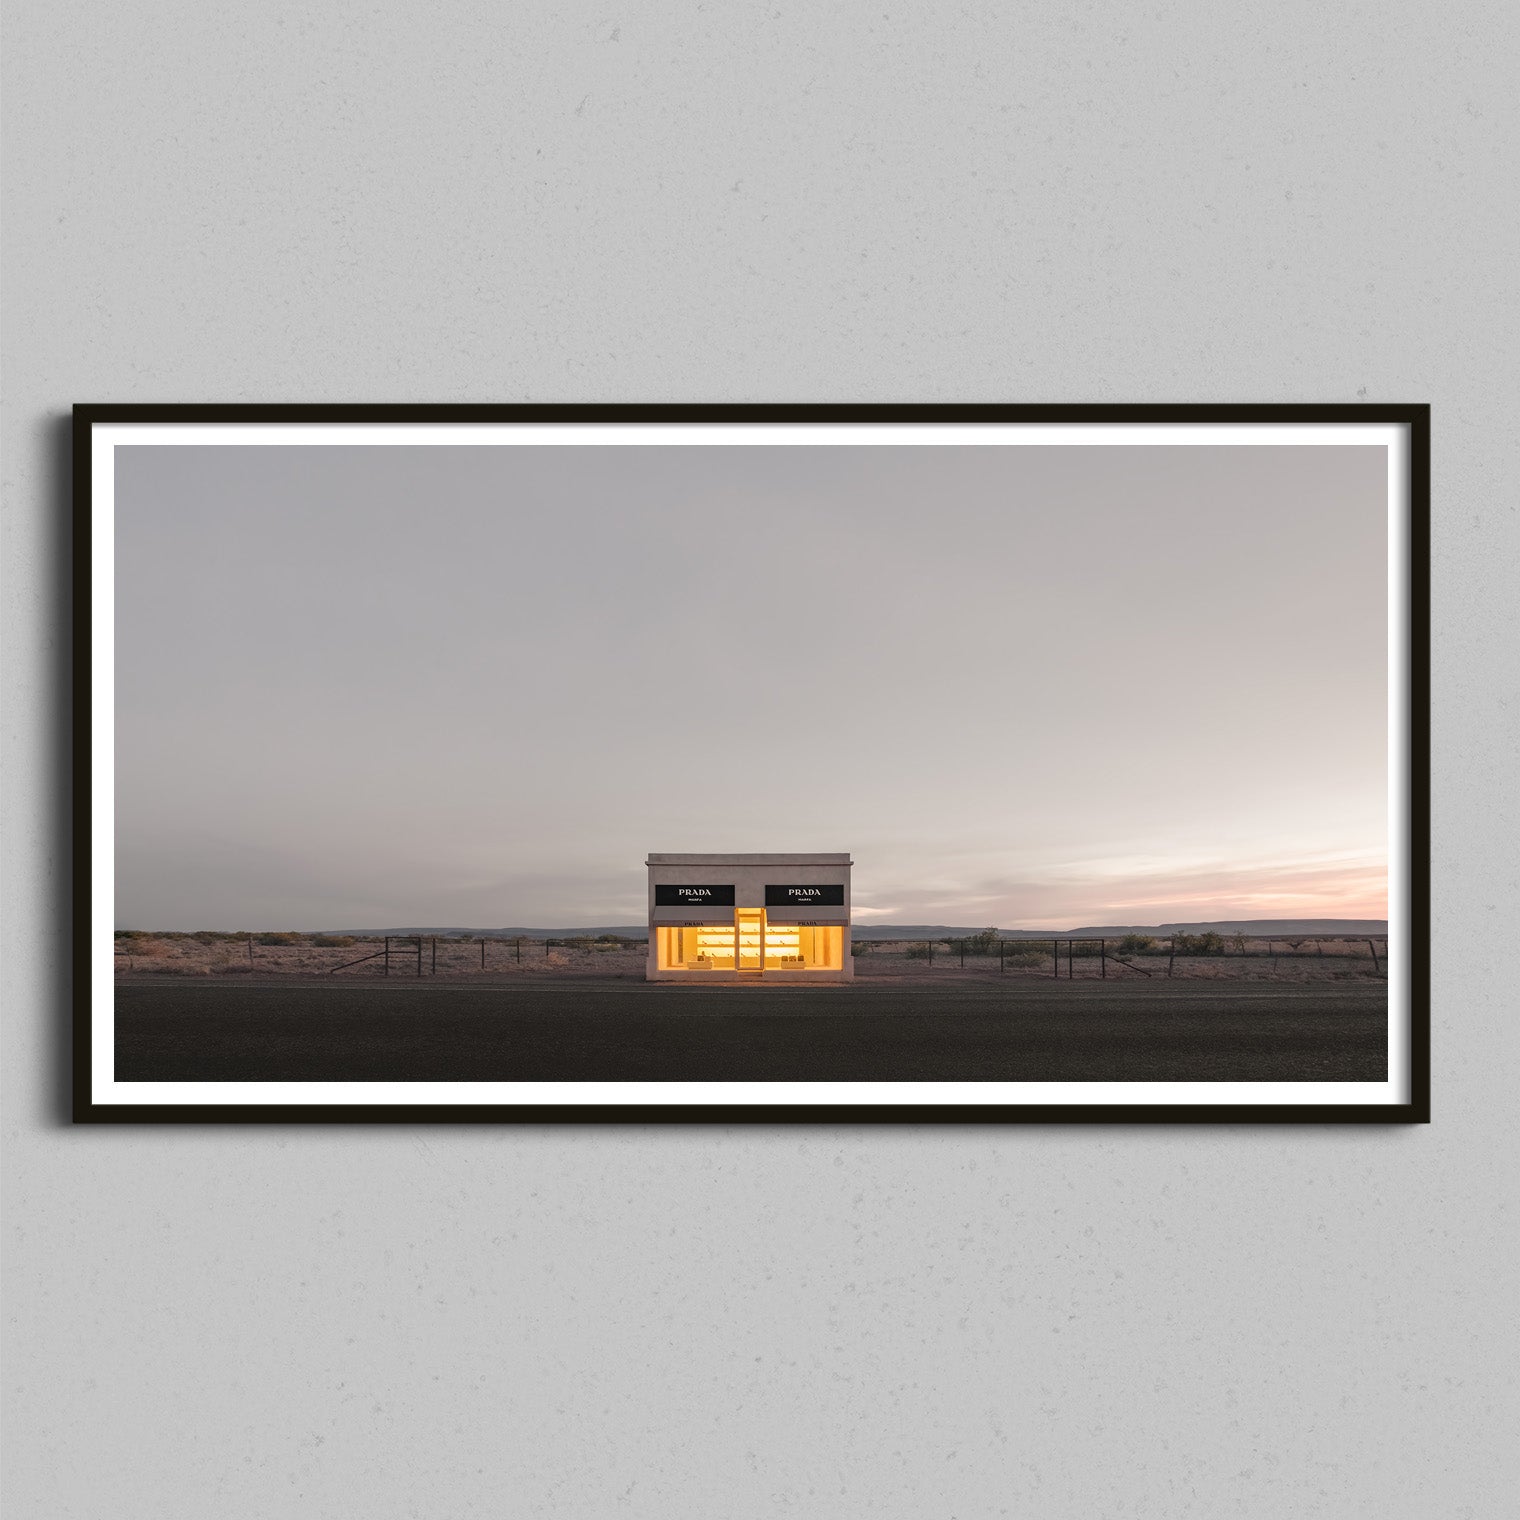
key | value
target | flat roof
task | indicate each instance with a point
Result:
(749, 860)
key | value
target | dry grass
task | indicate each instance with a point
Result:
(1332, 960)
(184, 955)
(206, 955)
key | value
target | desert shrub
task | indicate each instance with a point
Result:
(919, 952)
(860, 947)
(1198, 944)
(332, 941)
(280, 939)
(133, 935)
(1137, 944)
(1026, 958)
(984, 942)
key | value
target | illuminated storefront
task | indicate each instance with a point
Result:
(747, 917)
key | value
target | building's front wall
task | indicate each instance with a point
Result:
(749, 917)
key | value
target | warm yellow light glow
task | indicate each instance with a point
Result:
(750, 923)
(750, 943)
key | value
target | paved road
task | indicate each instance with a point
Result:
(170, 1031)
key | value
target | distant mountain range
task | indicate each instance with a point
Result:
(1248, 926)
(1254, 927)
(627, 931)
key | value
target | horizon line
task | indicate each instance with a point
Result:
(606, 928)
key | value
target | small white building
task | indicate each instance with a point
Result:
(740, 918)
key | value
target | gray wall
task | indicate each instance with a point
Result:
(862, 202)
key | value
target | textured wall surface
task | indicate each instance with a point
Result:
(848, 202)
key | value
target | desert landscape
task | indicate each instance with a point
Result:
(345, 958)
(464, 901)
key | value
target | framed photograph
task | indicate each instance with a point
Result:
(752, 763)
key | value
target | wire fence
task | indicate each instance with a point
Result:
(1071, 957)
(1066, 957)
(393, 955)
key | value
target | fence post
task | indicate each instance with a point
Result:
(250, 949)
(435, 955)
(1071, 970)
(1000, 956)
(519, 949)
(1103, 957)
(963, 955)
(1376, 969)
(387, 955)
(1171, 953)
(482, 952)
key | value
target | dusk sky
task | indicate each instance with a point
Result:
(1030, 687)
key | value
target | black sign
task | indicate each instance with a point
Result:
(805, 897)
(693, 897)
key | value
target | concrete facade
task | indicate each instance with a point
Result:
(741, 918)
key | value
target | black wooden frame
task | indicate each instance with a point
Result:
(1416, 418)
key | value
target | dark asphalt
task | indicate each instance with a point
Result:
(177, 1031)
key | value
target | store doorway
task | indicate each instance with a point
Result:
(750, 924)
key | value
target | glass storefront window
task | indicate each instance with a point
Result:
(819, 946)
(751, 943)
(709, 947)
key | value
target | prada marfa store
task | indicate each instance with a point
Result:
(738, 918)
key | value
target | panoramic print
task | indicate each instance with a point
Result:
(588, 765)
